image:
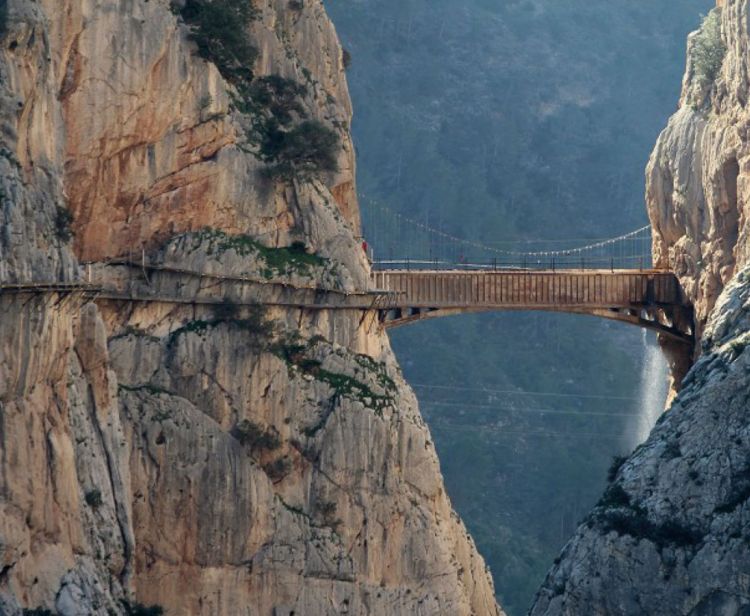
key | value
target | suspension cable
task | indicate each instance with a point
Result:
(578, 250)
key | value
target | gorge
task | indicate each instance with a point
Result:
(213, 436)
(669, 535)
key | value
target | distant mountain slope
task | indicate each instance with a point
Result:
(516, 120)
(670, 535)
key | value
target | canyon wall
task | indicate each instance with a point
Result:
(670, 535)
(227, 458)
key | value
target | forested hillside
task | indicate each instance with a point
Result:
(510, 122)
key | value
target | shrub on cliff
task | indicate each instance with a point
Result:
(218, 28)
(308, 149)
(278, 96)
(279, 132)
(278, 469)
(615, 467)
(63, 222)
(138, 609)
(254, 436)
(293, 145)
(708, 51)
(93, 498)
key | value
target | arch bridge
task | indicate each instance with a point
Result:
(648, 298)
(652, 299)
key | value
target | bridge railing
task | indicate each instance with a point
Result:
(552, 263)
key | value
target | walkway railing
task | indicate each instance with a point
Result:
(552, 263)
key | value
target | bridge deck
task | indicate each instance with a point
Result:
(530, 289)
(652, 299)
(649, 298)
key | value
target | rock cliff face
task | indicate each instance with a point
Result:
(696, 186)
(670, 535)
(230, 458)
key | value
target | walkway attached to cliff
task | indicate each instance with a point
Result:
(610, 278)
(650, 299)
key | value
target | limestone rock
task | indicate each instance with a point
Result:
(670, 534)
(696, 180)
(210, 459)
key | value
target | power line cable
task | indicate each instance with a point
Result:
(498, 431)
(493, 407)
(490, 390)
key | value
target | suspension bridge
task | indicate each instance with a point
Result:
(610, 278)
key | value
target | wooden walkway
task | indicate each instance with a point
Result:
(651, 298)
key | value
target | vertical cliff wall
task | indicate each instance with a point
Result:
(211, 459)
(695, 186)
(670, 534)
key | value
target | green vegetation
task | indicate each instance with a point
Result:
(292, 508)
(368, 365)
(615, 511)
(325, 511)
(149, 388)
(198, 326)
(295, 354)
(635, 523)
(708, 49)
(280, 133)
(138, 609)
(304, 152)
(219, 30)
(255, 436)
(133, 331)
(672, 450)
(615, 467)
(285, 261)
(63, 222)
(614, 496)
(93, 498)
(278, 469)
(205, 102)
(253, 323)
(281, 98)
